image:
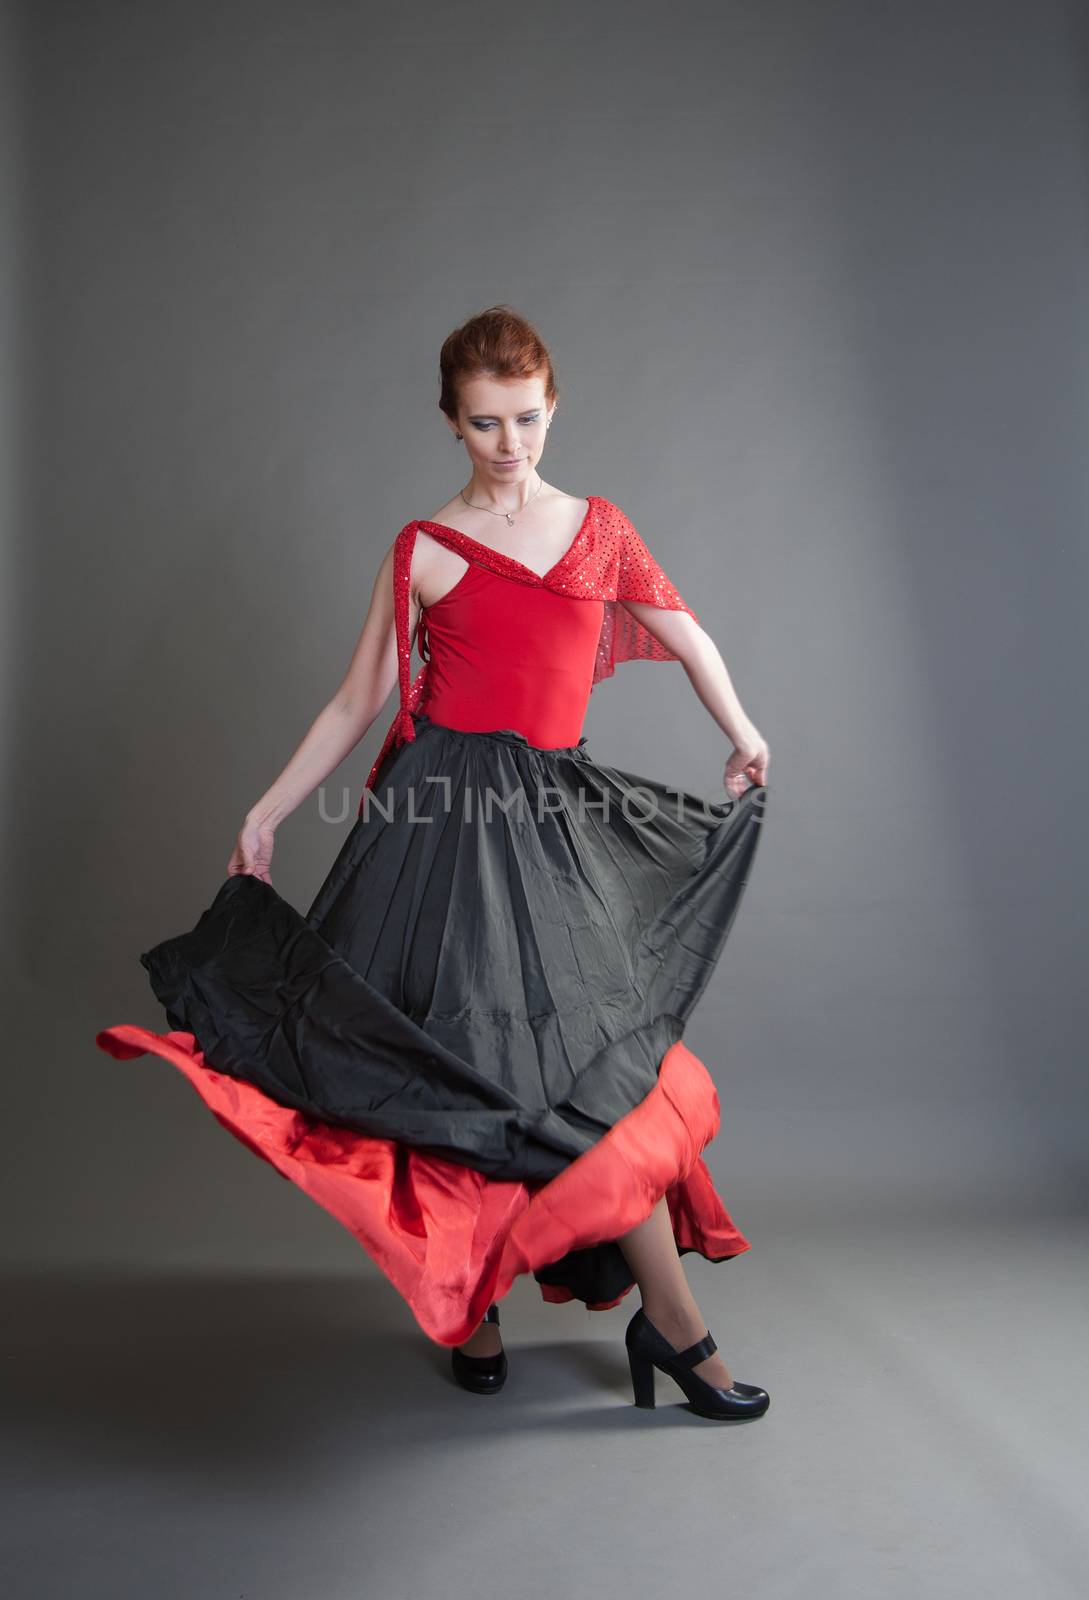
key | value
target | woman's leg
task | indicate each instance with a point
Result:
(487, 1340)
(651, 1252)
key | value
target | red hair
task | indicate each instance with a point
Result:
(496, 343)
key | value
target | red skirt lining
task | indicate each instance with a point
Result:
(452, 1240)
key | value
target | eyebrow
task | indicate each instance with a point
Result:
(484, 416)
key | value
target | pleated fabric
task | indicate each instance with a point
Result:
(469, 1050)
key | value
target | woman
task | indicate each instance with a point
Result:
(469, 1051)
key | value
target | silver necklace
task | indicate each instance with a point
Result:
(510, 516)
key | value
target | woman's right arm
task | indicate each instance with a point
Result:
(337, 729)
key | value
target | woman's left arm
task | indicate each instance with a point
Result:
(697, 652)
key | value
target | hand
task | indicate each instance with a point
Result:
(749, 760)
(252, 853)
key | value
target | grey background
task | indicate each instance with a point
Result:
(813, 278)
(815, 293)
(814, 282)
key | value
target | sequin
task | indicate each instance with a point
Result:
(607, 560)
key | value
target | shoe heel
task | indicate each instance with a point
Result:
(642, 1379)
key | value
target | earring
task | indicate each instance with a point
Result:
(459, 435)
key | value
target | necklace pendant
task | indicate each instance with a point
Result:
(510, 519)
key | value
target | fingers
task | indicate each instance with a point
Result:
(753, 775)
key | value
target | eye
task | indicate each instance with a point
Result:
(486, 427)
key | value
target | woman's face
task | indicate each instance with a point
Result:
(504, 421)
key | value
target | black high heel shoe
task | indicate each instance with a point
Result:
(481, 1374)
(647, 1349)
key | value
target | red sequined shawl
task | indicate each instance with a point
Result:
(607, 560)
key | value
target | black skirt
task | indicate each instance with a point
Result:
(505, 949)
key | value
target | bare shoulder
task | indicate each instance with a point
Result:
(572, 505)
(446, 515)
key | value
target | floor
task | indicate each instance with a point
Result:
(260, 1437)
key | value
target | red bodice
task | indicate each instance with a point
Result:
(513, 646)
(502, 654)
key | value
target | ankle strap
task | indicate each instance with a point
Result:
(696, 1352)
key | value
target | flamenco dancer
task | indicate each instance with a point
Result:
(469, 1050)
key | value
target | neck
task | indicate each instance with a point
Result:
(483, 495)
